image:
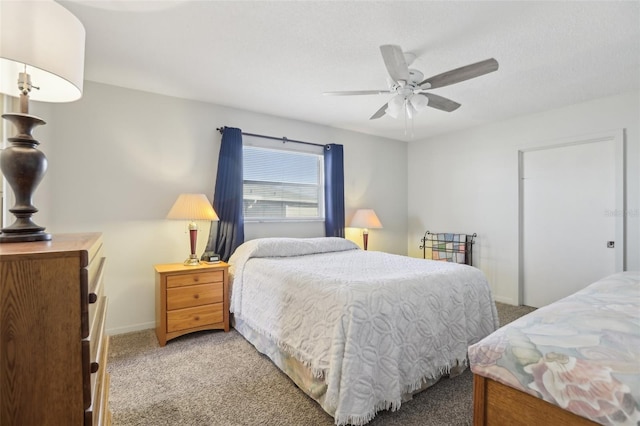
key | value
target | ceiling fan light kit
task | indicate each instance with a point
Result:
(409, 88)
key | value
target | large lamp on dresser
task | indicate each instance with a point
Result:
(42, 58)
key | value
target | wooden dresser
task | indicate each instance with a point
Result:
(53, 348)
(191, 298)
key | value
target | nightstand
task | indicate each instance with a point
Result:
(191, 298)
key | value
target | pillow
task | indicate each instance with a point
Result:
(286, 247)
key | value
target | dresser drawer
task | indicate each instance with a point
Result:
(194, 295)
(195, 278)
(183, 319)
(96, 292)
(97, 414)
(94, 268)
(93, 352)
(96, 338)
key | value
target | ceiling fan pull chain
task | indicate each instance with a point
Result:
(412, 132)
(406, 116)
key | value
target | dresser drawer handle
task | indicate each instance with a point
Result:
(196, 296)
(93, 298)
(94, 367)
(196, 318)
(196, 279)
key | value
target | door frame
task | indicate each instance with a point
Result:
(617, 136)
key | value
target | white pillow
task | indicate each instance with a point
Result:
(286, 247)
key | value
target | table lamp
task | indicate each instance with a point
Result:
(42, 57)
(192, 207)
(366, 219)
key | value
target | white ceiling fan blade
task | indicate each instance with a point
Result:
(395, 62)
(409, 58)
(357, 92)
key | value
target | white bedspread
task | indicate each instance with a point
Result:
(374, 325)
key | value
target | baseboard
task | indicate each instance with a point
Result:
(507, 300)
(131, 328)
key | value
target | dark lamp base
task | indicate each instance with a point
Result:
(24, 237)
(23, 167)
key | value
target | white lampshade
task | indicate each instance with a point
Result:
(395, 106)
(365, 218)
(47, 38)
(419, 102)
(192, 207)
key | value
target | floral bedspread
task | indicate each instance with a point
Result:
(581, 353)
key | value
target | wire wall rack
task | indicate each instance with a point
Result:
(448, 247)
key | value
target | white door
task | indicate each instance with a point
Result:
(571, 217)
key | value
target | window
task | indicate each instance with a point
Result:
(282, 185)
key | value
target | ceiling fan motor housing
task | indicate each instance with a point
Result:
(410, 87)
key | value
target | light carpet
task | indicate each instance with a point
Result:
(214, 378)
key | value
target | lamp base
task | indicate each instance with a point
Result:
(23, 167)
(6, 237)
(192, 261)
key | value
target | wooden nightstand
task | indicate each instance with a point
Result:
(191, 298)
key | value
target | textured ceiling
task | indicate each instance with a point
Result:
(277, 57)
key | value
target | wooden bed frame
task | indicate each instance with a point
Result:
(496, 404)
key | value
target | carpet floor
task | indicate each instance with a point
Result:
(213, 378)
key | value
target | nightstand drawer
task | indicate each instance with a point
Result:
(197, 278)
(182, 319)
(194, 295)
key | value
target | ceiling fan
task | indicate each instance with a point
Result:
(410, 89)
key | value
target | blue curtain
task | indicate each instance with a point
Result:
(334, 191)
(227, 200)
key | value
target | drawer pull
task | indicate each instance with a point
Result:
(93, 298)
(196, 296)
(196, 318)
(94, 367)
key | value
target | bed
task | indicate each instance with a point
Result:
(573, 362)
(358, 331)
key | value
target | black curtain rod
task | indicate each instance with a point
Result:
(284, 139)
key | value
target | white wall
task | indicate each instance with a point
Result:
(468, 181)
(118, 159)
